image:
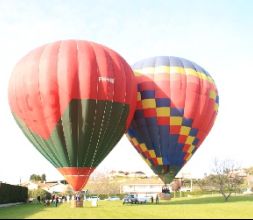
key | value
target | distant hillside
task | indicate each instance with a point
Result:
(112, 184)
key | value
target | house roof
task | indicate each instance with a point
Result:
(42, 185)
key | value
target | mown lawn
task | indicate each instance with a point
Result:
(200, 207)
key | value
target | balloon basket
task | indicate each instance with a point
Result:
(165, 196)
(76, 204)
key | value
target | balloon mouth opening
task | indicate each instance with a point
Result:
(77, 177)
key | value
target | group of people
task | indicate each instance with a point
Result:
(166, 190)
(48, 201)
(55, 199)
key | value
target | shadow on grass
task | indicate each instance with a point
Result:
(201, 200)
(22, 211)
(209, 200)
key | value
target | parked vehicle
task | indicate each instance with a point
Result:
(93, 198)
(135, 199)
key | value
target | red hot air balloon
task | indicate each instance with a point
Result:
(176, 108)
(74, 101)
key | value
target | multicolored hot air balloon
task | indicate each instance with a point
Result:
(176, 108)
(73, 100)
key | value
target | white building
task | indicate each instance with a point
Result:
(147, 189)
(56, 187)
(51, 187)
(30, 185)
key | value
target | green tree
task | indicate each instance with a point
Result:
(206, 184)
(202, 183)
(38, 178)
(35, 178)
(249, 170)
(39, 192)
(43, 177)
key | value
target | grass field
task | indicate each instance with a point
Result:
(200, 207)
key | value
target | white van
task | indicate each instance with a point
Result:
(135, 198)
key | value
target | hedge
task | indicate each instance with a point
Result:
(11, 194)
(193, 193)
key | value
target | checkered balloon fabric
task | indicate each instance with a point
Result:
(177, 103)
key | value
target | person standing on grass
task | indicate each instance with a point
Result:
(38, 198)
(68, 198)
(157, 199)
(56, 201)
(152, 199)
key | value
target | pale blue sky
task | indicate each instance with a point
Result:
(216, 34)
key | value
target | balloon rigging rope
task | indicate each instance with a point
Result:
(93, 129)
(110, 111)
(122, 111)
(100, 130)
(94, 122)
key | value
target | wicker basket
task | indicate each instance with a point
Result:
(76, 203)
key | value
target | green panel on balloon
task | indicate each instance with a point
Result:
(84, 135)
(166, 173)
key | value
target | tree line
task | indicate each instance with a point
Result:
(38, 178)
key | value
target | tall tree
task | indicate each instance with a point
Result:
(226, 178)
(43, 177)
(35, 178)
(249, 170)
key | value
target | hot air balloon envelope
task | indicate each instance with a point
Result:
(73, 101)
(177, 102)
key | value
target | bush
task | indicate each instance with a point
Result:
(39, 192)
(193, 193)
(11, 194)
